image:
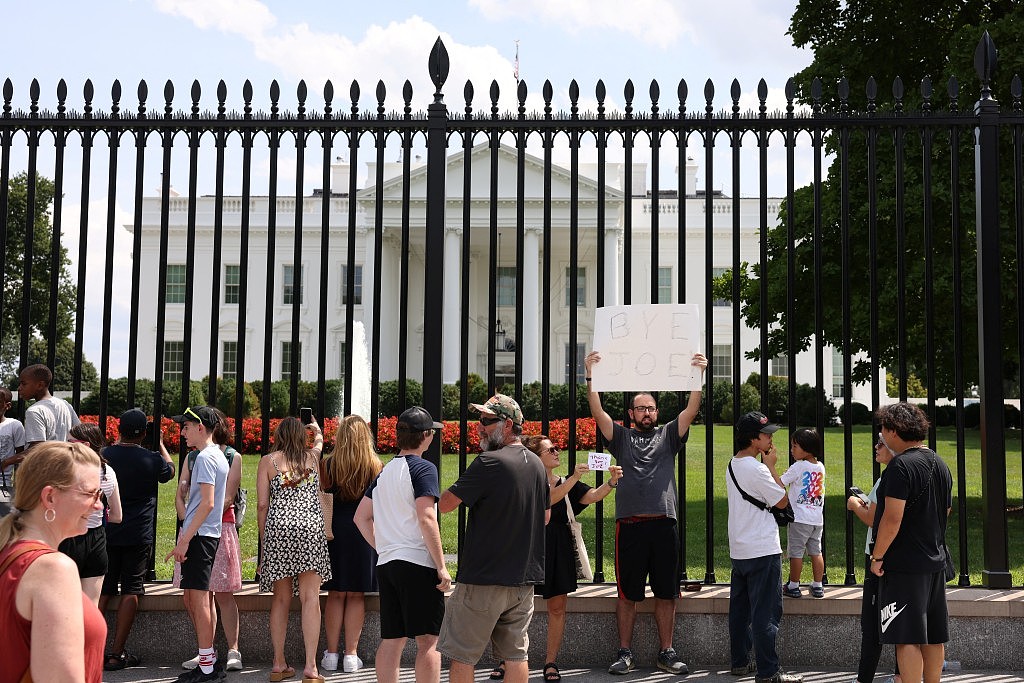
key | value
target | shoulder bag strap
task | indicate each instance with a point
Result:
(746, 496)
(568, 503)
(18, 552)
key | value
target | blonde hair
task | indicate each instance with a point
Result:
(354, 463)
(51, 463)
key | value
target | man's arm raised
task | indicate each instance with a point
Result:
(689, 413)
(603, 419)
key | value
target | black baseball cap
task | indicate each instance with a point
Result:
(132, 422)
(754, 423)
(417, 419)
(204, 415)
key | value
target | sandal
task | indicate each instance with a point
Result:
(287, 673)
(553, 674)
(112, 662)
(498, 673)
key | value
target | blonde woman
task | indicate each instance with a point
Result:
(347, 473)
(49, 627)
(291, 528)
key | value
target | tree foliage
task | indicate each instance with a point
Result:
(13, 326)
(886, 39)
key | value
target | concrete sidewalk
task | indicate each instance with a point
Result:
(703, 674)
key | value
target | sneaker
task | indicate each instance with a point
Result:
(781, 677)
(818, 591)
(792, 592)
(329, 661)
(669, 661)
(350, 663)
(190, 664)
(197, 676)
(234, 661)
(748, 668)
(624, 664)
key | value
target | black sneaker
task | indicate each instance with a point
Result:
(669, 661)
(624, 664)
(197, 675)
(748, 668)
(781, 677)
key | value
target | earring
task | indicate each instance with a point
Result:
(50, 514)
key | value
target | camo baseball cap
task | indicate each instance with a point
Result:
(500, 405)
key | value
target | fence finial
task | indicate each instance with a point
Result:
(438, 67)
(985, 58)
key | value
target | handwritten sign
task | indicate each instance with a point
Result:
(647, 347)
(598, 461)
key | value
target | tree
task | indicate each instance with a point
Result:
(12, 324)
(883, 39)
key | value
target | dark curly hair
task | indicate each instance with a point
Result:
(906, 419)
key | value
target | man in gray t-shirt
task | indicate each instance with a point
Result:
(646, 540)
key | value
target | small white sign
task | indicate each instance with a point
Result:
(647, 347)
(599, 461)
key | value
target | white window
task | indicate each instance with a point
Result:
(715, 274)
(289, 285)
(581, 373)
(581, 287)
(174, 360)
(506, 286)
(664, 285)
(721, 361)
(357, 292)
(838, 381)
(780, 366)
(286, 361)
(232, 284)
(229, 359)
(175, 292)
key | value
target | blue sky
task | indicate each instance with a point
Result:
(317, 40)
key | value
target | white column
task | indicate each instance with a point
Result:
(611, 266)
(389, 276)
(368, 235)
(451, 312)
(529, 336)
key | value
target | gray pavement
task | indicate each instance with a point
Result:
(703, 674)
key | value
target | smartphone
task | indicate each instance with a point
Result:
(306, 415)
(854, 491)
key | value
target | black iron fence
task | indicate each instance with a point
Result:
(845, 264)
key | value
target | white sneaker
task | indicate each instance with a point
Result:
(190, 664)
(330, 661)
(351, 663)
(234, 661)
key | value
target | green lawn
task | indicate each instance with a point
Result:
(696, 509)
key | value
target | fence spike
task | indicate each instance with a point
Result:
(548, 93)
(762, 98)
(62, 97)
(115, 99)
(382, 92)
(953, 92)
(168, 98)
(467, 94)
(33, 94)
(985, 58)
(142, 92)
(655, 92)
(574, 99)
(247, 98)
(407, 98)
(709, 96)
(734, 93)
(897, 93)
(88, 92)
(494, 92)
(844, 94)
(8, 95)
(196, 94)
(222, 96)
(926, 94)
(353, 94)
(300, 94)
(438, 67)
(1015, 92)
(627, 92)
(275, 97)
(682, 90)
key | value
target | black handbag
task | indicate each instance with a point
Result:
(783, 516)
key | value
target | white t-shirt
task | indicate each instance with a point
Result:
(12, 435)
(396, 527)
(872, 497)
(108, 484)
(805, 485)
(752, 531)
(49, 420)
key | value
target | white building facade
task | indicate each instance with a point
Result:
(289, 283)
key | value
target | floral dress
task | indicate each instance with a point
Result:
(294, 540)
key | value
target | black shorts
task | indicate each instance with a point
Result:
(89, 551)
(195, 570)
(410, 603)
(912, 609)
(127, 566)
(647, 547)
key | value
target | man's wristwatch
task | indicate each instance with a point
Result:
(876, 559)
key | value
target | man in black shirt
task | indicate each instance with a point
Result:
(130, 543)
(914, 500)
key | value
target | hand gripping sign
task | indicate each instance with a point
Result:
(647, 347)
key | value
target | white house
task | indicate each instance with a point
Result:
(285, 279)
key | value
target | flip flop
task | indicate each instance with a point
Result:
(316, 679)
(276, 676)
(498, 673)
(552, 675)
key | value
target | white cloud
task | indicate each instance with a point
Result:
(655, 21)
(248, 18)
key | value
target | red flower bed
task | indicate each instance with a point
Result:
(252, 428)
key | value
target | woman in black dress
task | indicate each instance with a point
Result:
(560, 560)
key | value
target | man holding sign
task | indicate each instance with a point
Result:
(646, 541)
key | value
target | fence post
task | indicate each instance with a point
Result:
(433, 258)
(990, 358)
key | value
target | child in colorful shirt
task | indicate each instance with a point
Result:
(805, 484)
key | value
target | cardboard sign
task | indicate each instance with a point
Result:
(599, 461)
(647, 347)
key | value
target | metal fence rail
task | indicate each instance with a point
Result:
(249, 157)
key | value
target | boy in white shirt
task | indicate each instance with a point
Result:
(12, 437)
(805, 484)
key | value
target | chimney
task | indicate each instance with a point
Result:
(340, 174)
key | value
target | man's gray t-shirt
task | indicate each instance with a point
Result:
(211, 467)
(648, 484)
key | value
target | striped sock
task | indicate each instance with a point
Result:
(207, 656)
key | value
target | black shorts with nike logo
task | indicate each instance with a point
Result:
(912, 609)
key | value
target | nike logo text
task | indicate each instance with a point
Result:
(889, 614)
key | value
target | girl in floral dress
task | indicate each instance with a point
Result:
(291, 527)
